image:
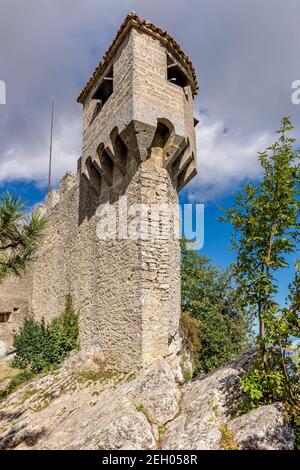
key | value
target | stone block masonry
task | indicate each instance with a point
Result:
(15, 299)
(138, 143)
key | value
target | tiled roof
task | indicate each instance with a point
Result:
(133, 20)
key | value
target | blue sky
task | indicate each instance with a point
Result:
(217, 244)
(216, 234)
(246, 55)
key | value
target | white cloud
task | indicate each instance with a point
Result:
(27, 164)
(245, 62)
(226, 158)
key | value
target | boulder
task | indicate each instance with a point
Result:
(265, 428)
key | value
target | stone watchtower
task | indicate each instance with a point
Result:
(138, 147)
(139, 142)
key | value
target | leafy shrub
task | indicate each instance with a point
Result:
(39, 346)
(262, 386)
(64, 330)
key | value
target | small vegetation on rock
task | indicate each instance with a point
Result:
(142, 409)
(227, 439)
(40, 346)
(187, 375)
(95, 375)
(162, 430)
(17, 381)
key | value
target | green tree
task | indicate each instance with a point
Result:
(20, 235)
(265, 219)
(208, 295)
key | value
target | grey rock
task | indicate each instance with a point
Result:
(147, 410)
(263, 429)
(207, 402)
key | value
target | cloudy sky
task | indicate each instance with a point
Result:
(246, 53)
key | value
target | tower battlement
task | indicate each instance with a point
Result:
(140, 97)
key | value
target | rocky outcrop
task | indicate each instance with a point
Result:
(264, 428)
(92, 409)
(206, 404)
(207, 411)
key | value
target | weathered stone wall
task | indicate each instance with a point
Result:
(125, 291)
(101, 276)
(53, 268)
(154, 96)
(160, 267)
(15, 298)
(117, 111)
(140, 145)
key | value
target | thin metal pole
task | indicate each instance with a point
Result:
(51, 138)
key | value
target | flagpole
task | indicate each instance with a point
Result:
(51, 139)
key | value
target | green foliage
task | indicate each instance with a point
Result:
(39, 346)
(262, 386)
(209, 296)
(266, 225)
(142, 409)
(187, 375)
(64, 330)
(18, 380)
(162, 430)
(265, 219)
(19, 235)
(274, 376)
(31, 344)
